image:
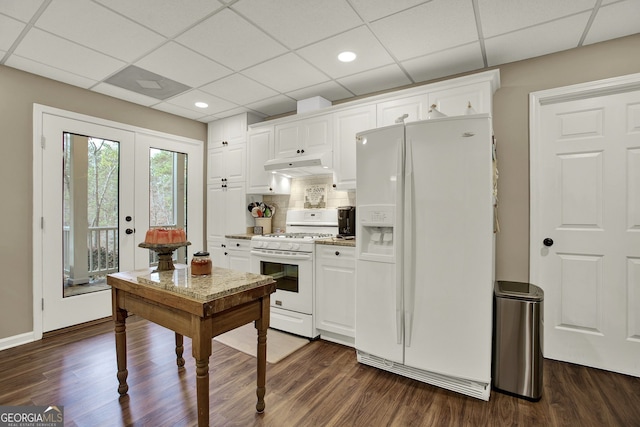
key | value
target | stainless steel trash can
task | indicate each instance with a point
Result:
(517, 339)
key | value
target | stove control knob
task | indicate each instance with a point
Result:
(274, 245)
(289, 246)
(295, 246)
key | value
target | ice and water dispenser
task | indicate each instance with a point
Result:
(377, 232)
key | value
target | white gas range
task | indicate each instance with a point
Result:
(288, 258)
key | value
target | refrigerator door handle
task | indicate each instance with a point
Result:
(399, 326)
(408, 259)
(399, 229)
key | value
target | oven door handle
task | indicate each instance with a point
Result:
(292, 257)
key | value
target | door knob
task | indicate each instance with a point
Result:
(547, 242)
(129, 231)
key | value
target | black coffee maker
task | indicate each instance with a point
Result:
(346, 222)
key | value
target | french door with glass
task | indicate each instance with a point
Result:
(102, 187)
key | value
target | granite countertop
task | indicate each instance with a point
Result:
(220, 283)
(337, 242)
(246, 236)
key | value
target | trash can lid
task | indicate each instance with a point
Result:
(518, 290)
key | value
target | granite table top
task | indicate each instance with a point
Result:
(220, 283)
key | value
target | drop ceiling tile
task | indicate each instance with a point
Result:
(167, 17)
(231, 40)
(58, 53)
(177, 110)
(127, 95)
(188, 99)
(20, 9)
(615, 20)
(499, 17)
(297, 23)
(371, 10)
(96, 27)
(388, 77)
(329, 90)
(428, 28)
(298, 73)
(277, 105)
(182, 65)
(10, 29)
(40, 69)
(445, 63)
(361, 41)
(535, 41)
(239, 89)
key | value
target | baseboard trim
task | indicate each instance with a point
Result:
(17, 340)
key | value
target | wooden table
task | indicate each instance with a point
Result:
(196, 307)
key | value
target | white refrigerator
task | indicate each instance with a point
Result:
(425, 251)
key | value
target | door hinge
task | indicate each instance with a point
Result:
(41, 223)
(43, 141)
(42, 304)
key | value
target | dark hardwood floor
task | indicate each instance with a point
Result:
(320, 385)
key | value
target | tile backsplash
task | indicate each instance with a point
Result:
(296, 200)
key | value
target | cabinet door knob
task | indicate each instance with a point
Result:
(302, 151)
(129, 231)
(298, 151)
(337, 253)
(238, 244)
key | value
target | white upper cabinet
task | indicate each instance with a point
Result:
(307, 136)
(227, 149)
(347, 124)
(226, 164)
(228, 131)
(453, 101)
(226, 210)
(415, 107)
(260, 148)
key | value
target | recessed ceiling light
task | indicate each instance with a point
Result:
(201, 104)
(346, 56)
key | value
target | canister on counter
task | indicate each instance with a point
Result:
(201, 264)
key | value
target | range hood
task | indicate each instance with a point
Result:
(307, 164)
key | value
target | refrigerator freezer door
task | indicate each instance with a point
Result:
(379, 302)
(448, 287)
(378, 318)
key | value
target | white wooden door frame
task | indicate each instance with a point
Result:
(192, 147)
(538, 99)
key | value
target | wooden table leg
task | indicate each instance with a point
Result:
(201, 349)
(119, 317)
(179, 350)
(262, 324)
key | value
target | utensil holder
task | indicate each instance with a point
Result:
(265, 223)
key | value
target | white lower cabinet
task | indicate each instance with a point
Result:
(239, 254)
(230, 253)
(335, 293)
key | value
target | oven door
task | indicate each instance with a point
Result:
(293, 273)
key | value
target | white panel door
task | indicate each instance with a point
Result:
(588, 206)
